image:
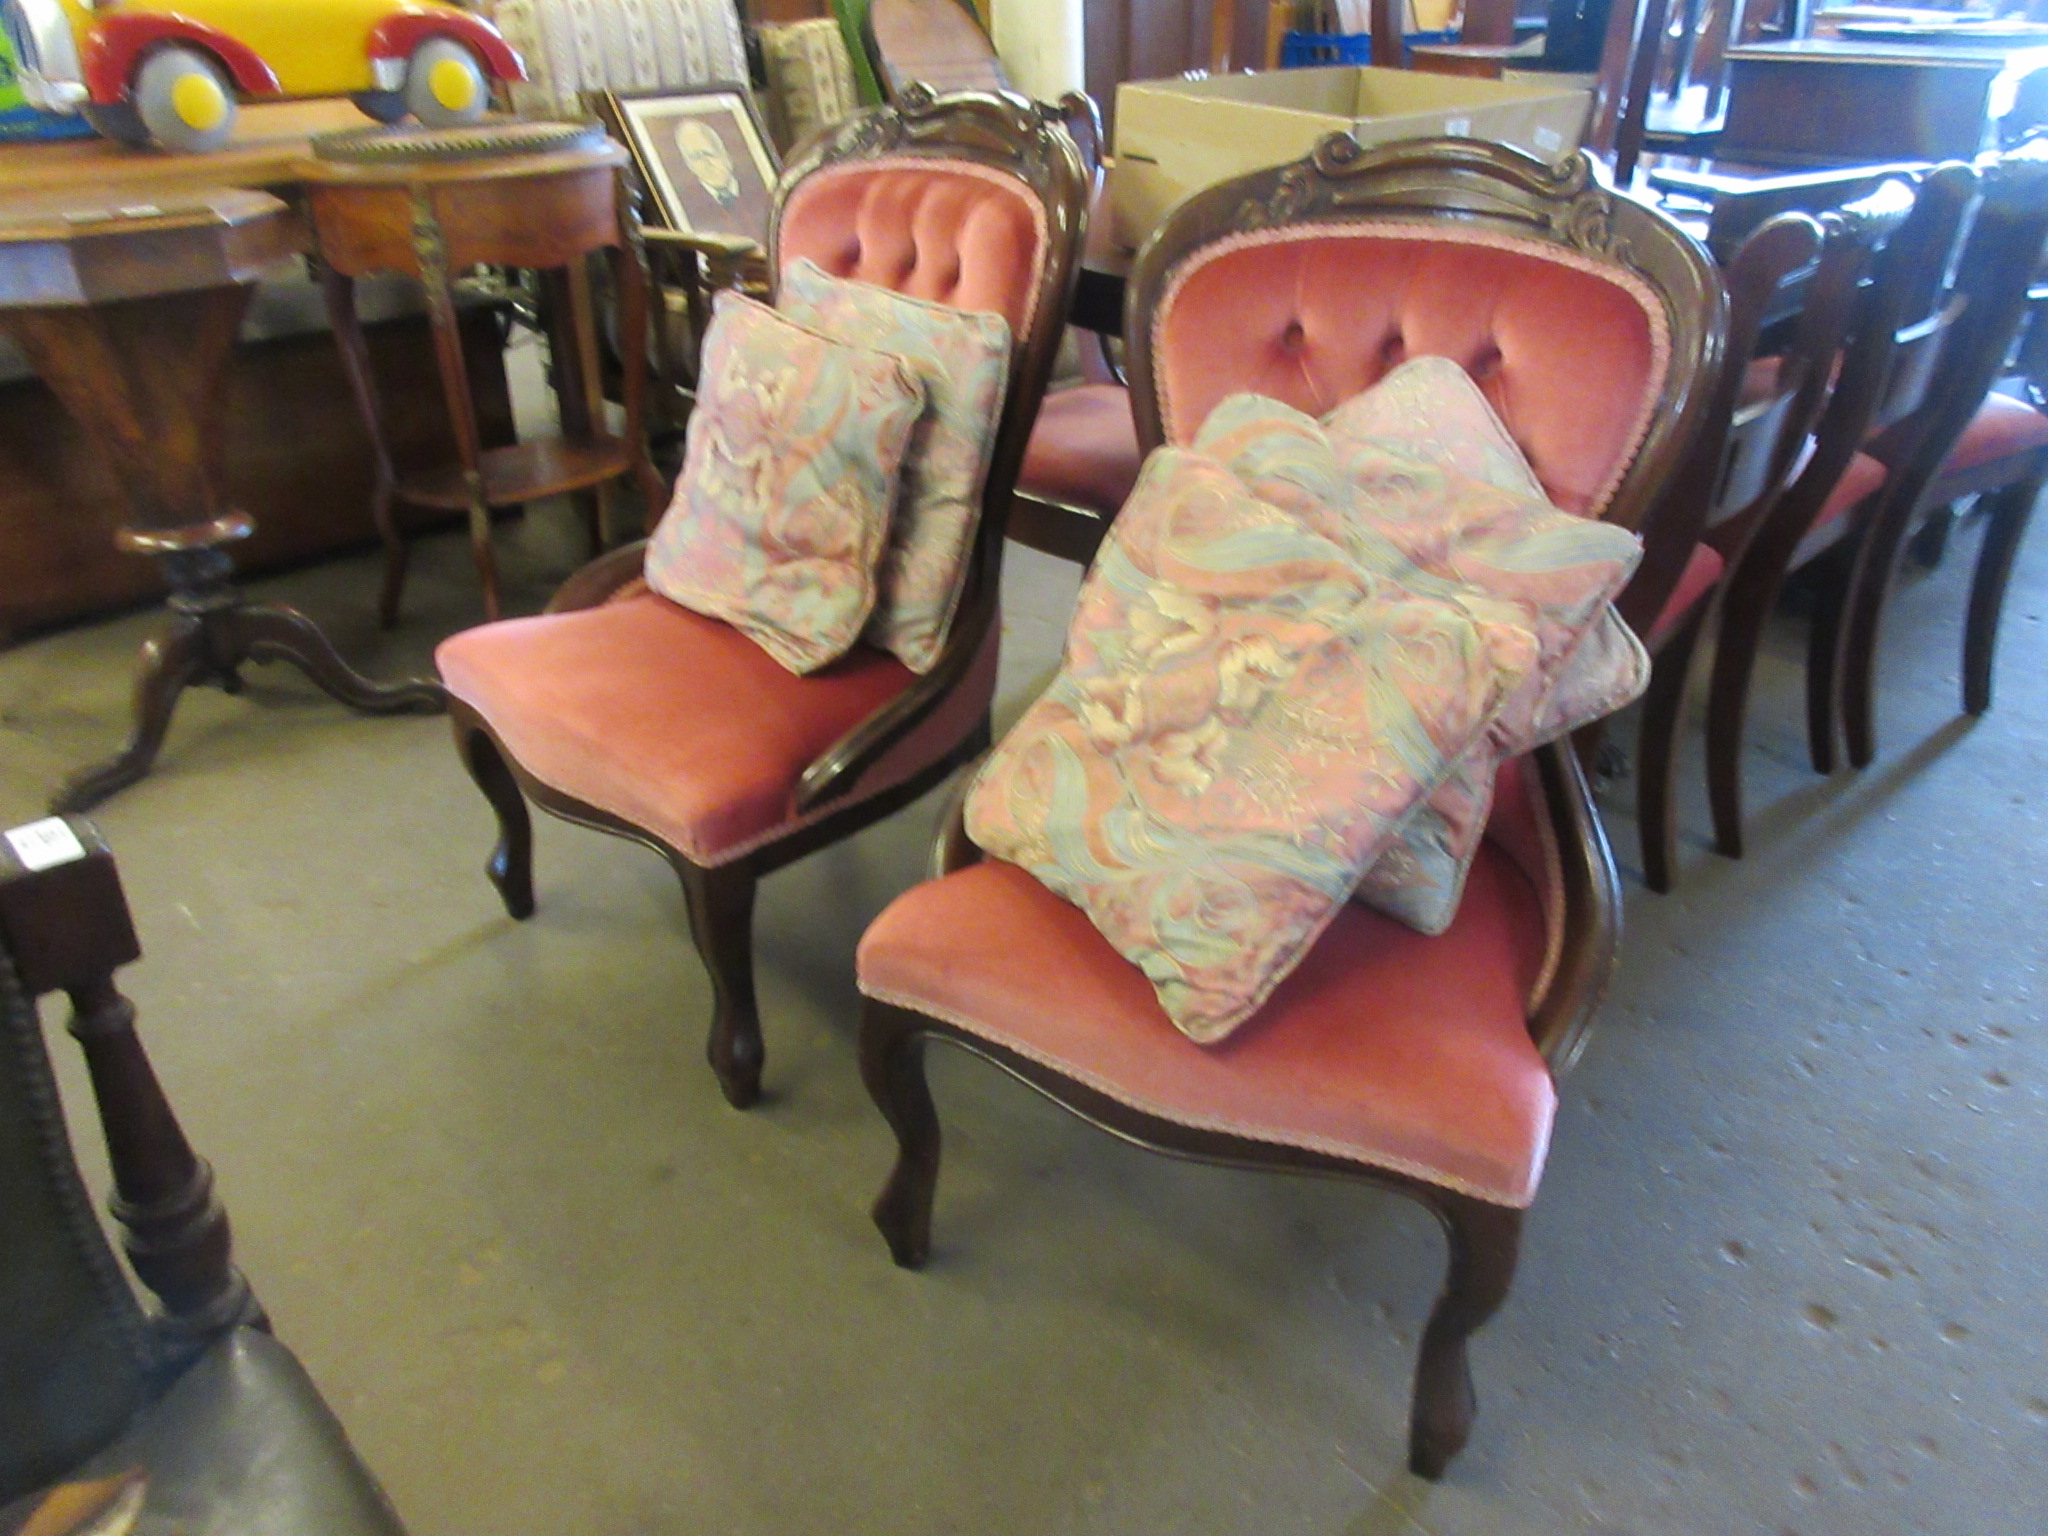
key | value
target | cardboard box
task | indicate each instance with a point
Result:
(1174, 137)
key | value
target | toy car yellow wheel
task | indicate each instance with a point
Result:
(184, 100)
(444, 84)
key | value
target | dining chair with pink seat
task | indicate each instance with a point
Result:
(621, 710)
(1423, 1064)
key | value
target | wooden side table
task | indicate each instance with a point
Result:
(127, 302)
(432, 203)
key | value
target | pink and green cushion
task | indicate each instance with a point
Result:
(1571, 353)
(1419, 479)
(945, 230)
(962, 359)
(789, 482)
(1437, 1027)
(1245, 715)
(1083, 450)
(662, 717)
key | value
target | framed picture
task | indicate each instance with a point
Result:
(702, 154)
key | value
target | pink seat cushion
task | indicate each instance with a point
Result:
(1084, 449)
(1570, 353)
(1392, 1050)
(1703, 567)
(1862, 476)
(2002, 426)
(669, 720)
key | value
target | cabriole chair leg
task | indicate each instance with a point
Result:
(1484, 1240)
(721, 904)
(892, 1066)
(1657, 753)
(510, 866)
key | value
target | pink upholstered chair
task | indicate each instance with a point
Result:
(620, 710)
(1427, 1065)
(1965, 441)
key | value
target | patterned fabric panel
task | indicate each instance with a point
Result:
(963, 359)
(1419, 472)
(1245, 715)
(790, 472)
(810, 79)
(571, 46)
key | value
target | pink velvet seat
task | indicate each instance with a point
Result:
(1460, 1094)
(1083, 450)
(1424, 1064)
(622, 711)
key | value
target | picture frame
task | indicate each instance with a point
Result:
(702, 154)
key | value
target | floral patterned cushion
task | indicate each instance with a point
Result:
(790, 474)
(963, 359)
(1245, 715)
(1421, 478)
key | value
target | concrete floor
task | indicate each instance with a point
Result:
(1785, 1274)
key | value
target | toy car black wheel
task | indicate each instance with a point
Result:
(444, 85)
(184, 99)
(118, 121)
(384, 106)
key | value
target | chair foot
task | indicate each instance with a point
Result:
(510, 866)
(892, 1066)
(1483, 1242)
(721, 903)
(170, 661)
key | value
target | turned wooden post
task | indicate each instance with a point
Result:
(65, 921)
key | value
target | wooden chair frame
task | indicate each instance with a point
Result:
(1453, 180)
(1017, 137)
(2003, 250)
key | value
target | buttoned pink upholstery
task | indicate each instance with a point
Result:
(1570, 353)
(945, 230)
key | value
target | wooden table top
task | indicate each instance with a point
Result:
(269, 143)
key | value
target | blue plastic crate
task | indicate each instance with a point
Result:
(1308, 50)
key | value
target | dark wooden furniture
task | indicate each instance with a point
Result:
(195, 1413)
(985, 958)
(430, 205)
(883, 735)
(1755, 442)
(1825, 101)
(1903, 320)
(1960, 442)
(127, 304)
(60, 503)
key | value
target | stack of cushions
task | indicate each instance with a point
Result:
(1294, 668)
(831, 484)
